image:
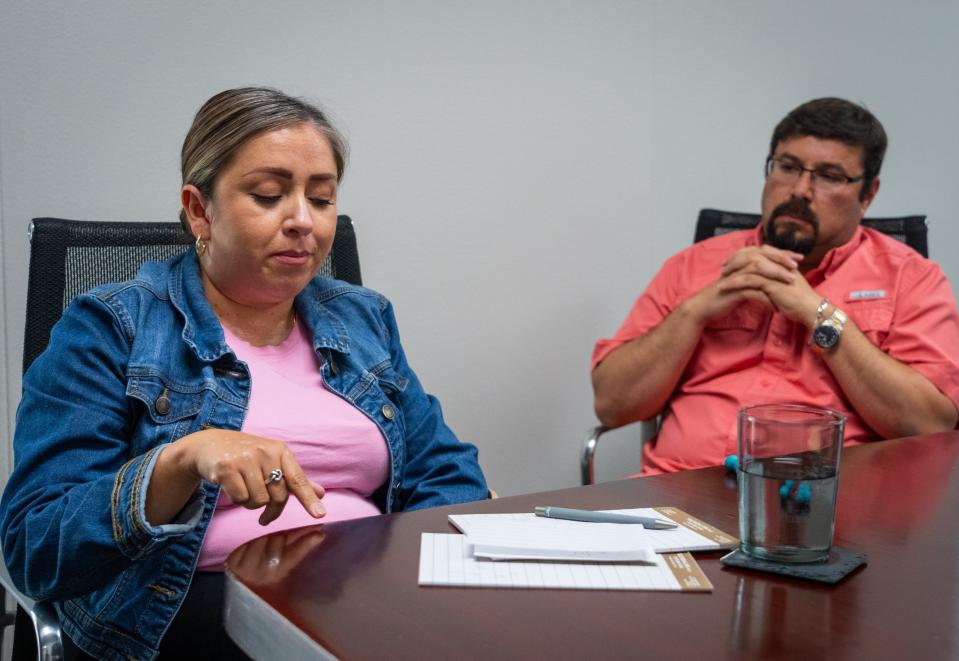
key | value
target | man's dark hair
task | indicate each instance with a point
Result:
(831, 118)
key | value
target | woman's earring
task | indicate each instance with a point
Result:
(200, 246)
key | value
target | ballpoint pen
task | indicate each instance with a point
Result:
(602, 517)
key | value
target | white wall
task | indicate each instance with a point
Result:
(519, 169)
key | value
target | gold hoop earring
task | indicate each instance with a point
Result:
(200, 246)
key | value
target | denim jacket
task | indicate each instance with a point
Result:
(136, 365)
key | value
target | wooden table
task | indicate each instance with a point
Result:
(350, 590)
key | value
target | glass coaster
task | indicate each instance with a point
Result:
(840, 564)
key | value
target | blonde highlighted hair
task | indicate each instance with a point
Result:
(231, 118)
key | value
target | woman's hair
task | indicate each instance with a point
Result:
(229, 119)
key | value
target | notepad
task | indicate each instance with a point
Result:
(445, 560)
(527, 536)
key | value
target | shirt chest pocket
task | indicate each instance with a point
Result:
(168, 409)
(728, 343)
(873, 318)
(746, 317)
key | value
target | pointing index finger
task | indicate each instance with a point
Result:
(302, 488)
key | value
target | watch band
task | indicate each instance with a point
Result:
(823, 304)
(837, 319)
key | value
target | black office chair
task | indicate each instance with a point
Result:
(911, 230)
(68, 257)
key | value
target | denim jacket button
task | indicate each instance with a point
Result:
(388, 412)
(162, 405)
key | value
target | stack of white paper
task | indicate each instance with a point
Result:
(521, 539)
(527, 536)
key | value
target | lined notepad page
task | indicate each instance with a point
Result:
(446, 560)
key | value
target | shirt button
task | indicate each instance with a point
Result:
(388, 412)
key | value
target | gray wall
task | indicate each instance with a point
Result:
(519, 169)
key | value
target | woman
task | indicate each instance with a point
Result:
(173, 416)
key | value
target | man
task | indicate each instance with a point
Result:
(809, 308)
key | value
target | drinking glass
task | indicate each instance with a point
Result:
(788, 481)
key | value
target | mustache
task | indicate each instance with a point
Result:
(796, 207)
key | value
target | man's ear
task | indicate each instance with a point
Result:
(195, 206)
(870, 195)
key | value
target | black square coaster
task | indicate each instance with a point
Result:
(839, 565)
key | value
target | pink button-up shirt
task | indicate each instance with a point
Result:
(901, 301)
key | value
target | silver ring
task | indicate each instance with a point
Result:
(275, 476)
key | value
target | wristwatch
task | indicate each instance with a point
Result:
(826, 335)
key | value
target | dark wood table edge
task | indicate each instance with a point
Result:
(254, 625)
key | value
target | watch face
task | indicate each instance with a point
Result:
(825, 336)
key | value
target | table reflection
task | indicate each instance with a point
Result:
(774, 619)
(292, 565)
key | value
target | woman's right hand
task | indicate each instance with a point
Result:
(241, 464)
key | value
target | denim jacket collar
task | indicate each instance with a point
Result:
(203, 333)
(329, 331)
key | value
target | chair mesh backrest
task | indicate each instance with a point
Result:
(911, 230)
(89, 266)
(68, 257)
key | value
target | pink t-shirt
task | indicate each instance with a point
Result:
(334, 442)
(901, 301)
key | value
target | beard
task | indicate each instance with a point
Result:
(783, 233)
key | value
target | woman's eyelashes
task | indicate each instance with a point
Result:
(265, 200)
(271, 200)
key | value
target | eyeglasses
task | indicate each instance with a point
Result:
(826, 178)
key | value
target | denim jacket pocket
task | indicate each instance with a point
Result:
(165, 400)
(386, 389)
(390, 381)
(169, 409)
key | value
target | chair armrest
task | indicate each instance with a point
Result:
(46, 623)
(648, 429)
(586, 467)
(6, 582)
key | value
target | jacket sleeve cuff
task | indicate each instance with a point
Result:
(134, 536)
